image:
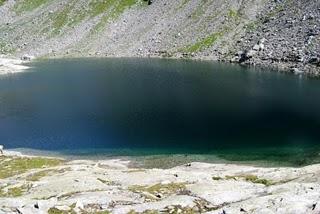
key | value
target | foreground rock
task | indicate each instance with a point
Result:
(110, 186)
(9, 66)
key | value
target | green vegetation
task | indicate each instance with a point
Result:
(153, 191)
(5, 48)
(144, 212)
(14, 191)
(256, 180)
(199, 11)
(61, 18)
(204, 43)
(1, 2)
(216, 178)
(112, 183)
(54, 210)
(116, 8)
(184, 3)
(28, 5)
(252, 179)
(38, 175)
(17, 165)
(71, 15)
(234, 14)
(251, 26)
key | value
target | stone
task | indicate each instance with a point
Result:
(250, 53)
(297, 71)
(79, 205)
(27, 57)
(256, 47)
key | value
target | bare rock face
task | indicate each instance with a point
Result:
(11, 65)
(292, 37)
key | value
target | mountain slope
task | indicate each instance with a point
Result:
(206, 29)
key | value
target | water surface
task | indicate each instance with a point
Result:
(157, 106)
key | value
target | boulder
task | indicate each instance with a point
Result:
(297, 71)
(27, 57)
(256, 47)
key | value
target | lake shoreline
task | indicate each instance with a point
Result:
(9, 65)
(112, 186)
(14, 65)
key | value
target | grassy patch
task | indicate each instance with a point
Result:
(37, 175)
(14, 191)
(61, 18)
(253, 179)
(184, 3)
(151, 192)
(144, 212)
(199, 10)
(2, 2)
(233, 14)
(204, 43)
(28, 5)
(54, 210)
(111, 183)
(17, 165)
(216, 178)
(116, 8)
(108, 9)
(251, 26)
(6, 48)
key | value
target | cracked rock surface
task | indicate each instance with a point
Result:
(111, 186)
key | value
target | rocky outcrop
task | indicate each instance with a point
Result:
(9, 65)
(291, 34)
(113, 187)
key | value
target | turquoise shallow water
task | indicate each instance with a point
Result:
(152, 107)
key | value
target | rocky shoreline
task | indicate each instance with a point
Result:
(30, 184)
(11, 65)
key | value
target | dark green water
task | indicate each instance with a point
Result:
(139, 107)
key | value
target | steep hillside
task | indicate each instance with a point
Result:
(267, 32)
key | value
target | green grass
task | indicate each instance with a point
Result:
(216, 178)
(54, 210)
(107, 9)
(14, 191)
(2, 2)
(144, 212)
(234, 14)
(204, 43)
(61, 18)
(28, 5)
(38, 175)
(253, 179)
(184, 3)
(116, 9)
(200, 9)
(5, 48)
(111, 183)
(165, 189)
(17, 165)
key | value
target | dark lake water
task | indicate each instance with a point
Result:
(157, 106)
